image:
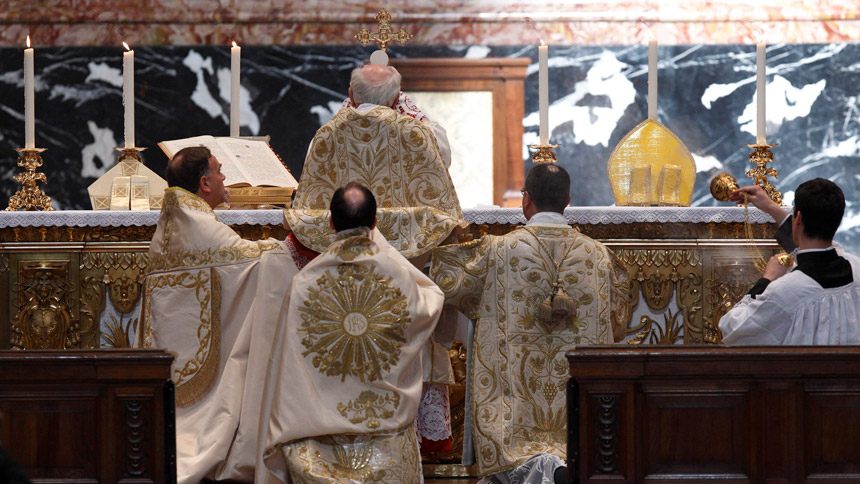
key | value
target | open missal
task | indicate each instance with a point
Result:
(251, 169)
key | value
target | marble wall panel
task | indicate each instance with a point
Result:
(597, 94)
(432, 22)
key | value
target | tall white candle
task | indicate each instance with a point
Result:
(128, 94)
(760, 89)
(652, 79)
(29, 99)
(235, 68)
(543, 93)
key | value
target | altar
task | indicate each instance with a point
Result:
(687, 266)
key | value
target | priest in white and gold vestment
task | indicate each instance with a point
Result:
(382, 140)
(199, 302)
(345, 380)
(536, 293)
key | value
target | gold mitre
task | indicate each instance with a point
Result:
(128, 185)
(651, 147)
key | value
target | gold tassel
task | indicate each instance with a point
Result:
(544, 312)
(563, 307)
(556, 308)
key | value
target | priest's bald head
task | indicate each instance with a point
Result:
(547, 189)
(352, 206)
(374, 84)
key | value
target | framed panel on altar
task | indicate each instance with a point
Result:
(480, 103)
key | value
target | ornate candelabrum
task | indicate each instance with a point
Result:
(761, 156)
(544, 153)
(29, 196)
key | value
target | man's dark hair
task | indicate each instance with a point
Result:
(187, 167)
(822, 204)
(352, 206)
(549, 187)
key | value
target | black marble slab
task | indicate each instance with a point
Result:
(597, 95)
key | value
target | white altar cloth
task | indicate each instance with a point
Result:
(483, 215)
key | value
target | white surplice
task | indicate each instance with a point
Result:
(345, 379)
(796, 310)
(205, 290)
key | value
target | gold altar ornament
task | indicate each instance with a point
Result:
(651, 166)
(722, 185)
(544, 153)
(29, 196)
(761, 156)
(384, 35)
(128, 185)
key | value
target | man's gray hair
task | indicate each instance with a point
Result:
(381, 90)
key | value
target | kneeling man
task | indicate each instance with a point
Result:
(343, 387)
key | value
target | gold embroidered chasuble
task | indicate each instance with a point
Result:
(345, 379)
(398, 159)
(519, 372)
(199, 301)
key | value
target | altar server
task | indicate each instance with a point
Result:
(818, 302)
(207, 296)
(345, 380)
(536, 292)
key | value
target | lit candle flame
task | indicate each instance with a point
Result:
(541, 42)
(759, 35)
(126, 46)
(28, 41)
(234, 44)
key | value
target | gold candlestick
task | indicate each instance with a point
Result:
(129, 155)
(30, 197)
(760, 157)
(544, 153)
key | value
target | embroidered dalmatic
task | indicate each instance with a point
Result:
(345, 379)
(199, 301)
(519, 372)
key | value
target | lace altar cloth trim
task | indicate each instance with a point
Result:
(107, 218)
(483, 215)
(622, 215)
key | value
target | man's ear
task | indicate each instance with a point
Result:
(375, 219)
(204, 185)
(331, 224)
(352, 99)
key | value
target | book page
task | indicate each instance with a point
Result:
(258, 162)
(233, 175)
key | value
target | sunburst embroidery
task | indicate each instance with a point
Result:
(353, 323)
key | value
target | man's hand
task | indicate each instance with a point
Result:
(757, 196)
(774, 269)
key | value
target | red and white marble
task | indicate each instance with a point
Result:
(443, 22)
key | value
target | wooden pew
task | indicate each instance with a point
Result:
(89, 416)
(684, 414)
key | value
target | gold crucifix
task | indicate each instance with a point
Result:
(384, 35)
